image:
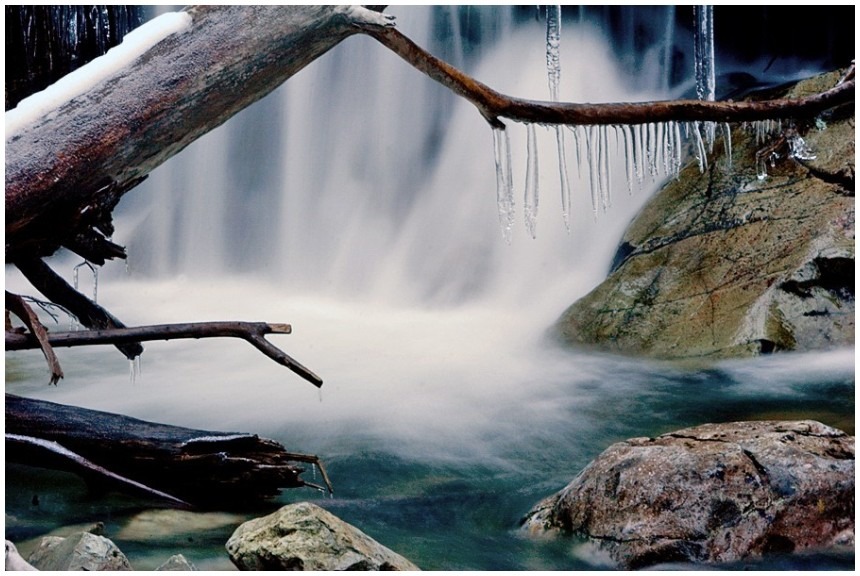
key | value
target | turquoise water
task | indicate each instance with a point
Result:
(449, 494)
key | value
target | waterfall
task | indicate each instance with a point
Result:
(362, 177)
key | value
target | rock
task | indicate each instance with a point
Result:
(714, 493)
(723, 264)
(14, 561)
(176, 562)
(303, 536)
(81, 551)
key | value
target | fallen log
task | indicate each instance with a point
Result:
(178, 465)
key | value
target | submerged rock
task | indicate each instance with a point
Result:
(177, 562)
(722, 264)
(81, 551)
(306, 537)
(713, 493)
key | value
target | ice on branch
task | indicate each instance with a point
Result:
(553, 72)
(504, 181)
(530, 200)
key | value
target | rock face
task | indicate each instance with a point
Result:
(723, 264)
(714, 493)
(81, 551)
(306, 537)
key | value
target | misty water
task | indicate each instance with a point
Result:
(358, 203)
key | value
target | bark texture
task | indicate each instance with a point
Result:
(66, 172)
(197, 466)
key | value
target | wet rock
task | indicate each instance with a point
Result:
(714, 493)
(305, 537)
(81, 551)
(177, 562)
(14, 561)
(722, 264)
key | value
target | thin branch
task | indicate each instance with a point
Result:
(38, 334)
(252, 332)
(78, 463)
(494, 105)
(85, 310)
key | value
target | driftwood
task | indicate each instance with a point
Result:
(180, 466)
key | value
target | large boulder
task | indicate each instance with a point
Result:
(713, 493)
(723, 264)
(305, 537)
(81, 551)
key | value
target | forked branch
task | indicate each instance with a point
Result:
(252, 332)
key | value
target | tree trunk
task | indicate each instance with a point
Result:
(67, 169)
(181, 465)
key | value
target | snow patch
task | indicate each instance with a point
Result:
(72, 85)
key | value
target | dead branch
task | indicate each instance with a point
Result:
(45, 451)
(494, 105)
(85, 310)
(252, 332)
(38, 334)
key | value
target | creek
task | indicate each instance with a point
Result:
(357, 203)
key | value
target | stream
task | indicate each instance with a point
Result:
(357, 203)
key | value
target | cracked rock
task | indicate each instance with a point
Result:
(714, 493)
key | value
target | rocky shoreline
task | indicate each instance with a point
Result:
(712, 494)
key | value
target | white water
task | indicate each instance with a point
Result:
(358, 203)
(358, 206)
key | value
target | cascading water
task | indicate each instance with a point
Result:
(358, 203)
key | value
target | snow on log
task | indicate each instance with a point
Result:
(72, 154)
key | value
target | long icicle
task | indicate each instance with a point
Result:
(531, 196)
(504, 181)
(553, 71)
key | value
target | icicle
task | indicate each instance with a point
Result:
(132, 370)
(676, 172)
(553, 72)
(553, 40)
(639, 153)
(530, 199)
(799, 149)
(576, 143)
(701, 153)
(563, 177)
(761, 166)
(727, 144)
(652, 149)
(591, 149)
(628, 156)
(504, 181)
(704, 53)
(605, 181)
